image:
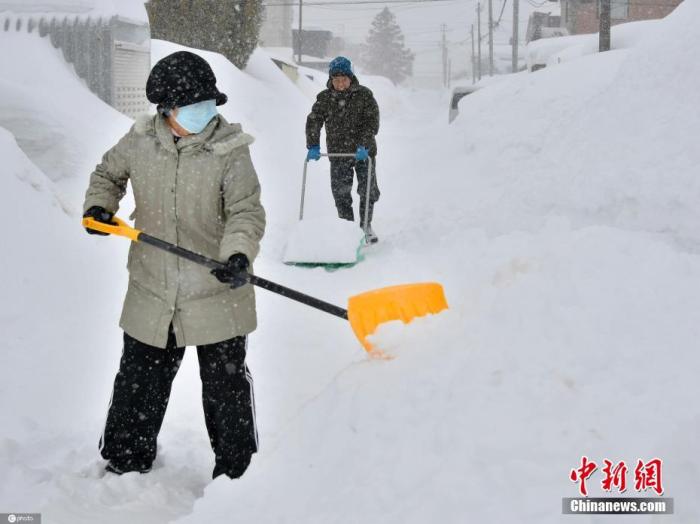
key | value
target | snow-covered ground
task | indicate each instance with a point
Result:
(560, 213)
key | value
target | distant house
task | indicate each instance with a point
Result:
(111, 52)
(583, 16)
(544, 25)
(314, 42)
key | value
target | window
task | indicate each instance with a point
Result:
(619, 9)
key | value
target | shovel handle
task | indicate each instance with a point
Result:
(117, 227)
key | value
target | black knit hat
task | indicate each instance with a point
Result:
(181, 79)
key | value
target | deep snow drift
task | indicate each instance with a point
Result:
(560, 213)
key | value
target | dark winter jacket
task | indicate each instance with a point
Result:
(351, 118)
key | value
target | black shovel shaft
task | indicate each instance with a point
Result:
(254, 280)
(181, 252)
(299, 297)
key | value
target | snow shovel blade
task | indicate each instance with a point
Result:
(406, 302)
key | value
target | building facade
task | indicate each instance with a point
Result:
(544, 25)
(583, 16)
(111, 53)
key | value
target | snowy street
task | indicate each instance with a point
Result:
(559, 212)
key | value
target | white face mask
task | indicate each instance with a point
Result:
(195, 117)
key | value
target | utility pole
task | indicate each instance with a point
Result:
(516, 12)
(478, 25)
(444, 55)
(449, 73)
(490, 37)
(300, 40)
(604, 29)
(473, 58)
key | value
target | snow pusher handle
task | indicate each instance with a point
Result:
(332, 155)
(365, 311)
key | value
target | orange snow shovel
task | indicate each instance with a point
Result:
(365, 311)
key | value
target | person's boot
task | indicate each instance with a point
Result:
(232, 472)
(370, 236)
(119, 468)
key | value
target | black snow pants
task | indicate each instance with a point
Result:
(140, 398)
(342, 175)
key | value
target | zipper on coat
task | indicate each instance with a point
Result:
(176, 309)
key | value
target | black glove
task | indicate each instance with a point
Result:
(235, 272)
(101, 215)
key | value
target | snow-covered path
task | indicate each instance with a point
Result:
(51, 458)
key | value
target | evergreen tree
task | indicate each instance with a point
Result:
(229, 27)
(385, 53)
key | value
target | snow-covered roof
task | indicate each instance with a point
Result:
(128, 9)
(550, 51)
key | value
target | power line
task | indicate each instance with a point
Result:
(347, 7)
(503, 8)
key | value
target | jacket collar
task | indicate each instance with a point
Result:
(196, 141)
(219, 136)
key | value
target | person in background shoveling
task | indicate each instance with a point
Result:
(195, 186)
(351, 116)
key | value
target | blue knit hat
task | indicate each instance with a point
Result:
(340, 66)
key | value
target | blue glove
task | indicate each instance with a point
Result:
(314, 153)
(361, 153)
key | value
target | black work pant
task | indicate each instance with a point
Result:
(140, 398)
(342, 175)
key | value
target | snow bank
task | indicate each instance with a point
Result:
(552, 51)
(48, 285)
(605, 139)
(61, 126)
(391, 99)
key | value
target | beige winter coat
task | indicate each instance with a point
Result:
(201, 193)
